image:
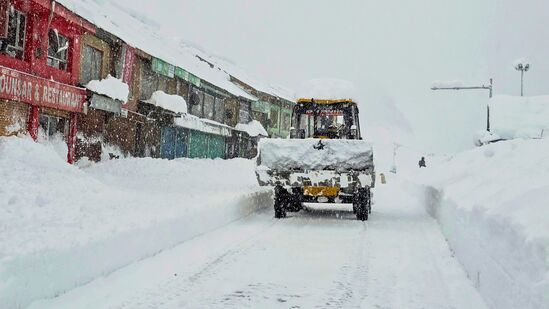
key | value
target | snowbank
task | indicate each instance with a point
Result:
(327, 89)
(315, 154)
(61, 226)
(253, 128)
(519, 117)
(112, 87)
(174, 103)
(492, 205)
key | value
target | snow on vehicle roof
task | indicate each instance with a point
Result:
(137, 33)
(519, 117)
(327, 89)
(112, 87)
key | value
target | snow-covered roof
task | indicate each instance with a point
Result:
(204, 125)
(327, 89)
(137, 33)
(174, 103)
(254, 128)
(519, 117)
(112, 87)
(249, 79)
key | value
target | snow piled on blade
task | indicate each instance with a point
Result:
(254, 128)
(327, 89)
(492, 205)
(112, 87)
(315, 154)
(519, 117)
(62, 226)
(174, 103)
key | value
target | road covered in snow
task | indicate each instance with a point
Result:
(320, 259)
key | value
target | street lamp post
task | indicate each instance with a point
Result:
(489, 87)
(522, 67)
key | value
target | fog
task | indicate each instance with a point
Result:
(391, 50)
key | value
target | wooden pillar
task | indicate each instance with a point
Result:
(71, 139)
(32, 124)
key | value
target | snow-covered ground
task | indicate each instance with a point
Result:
(313, 259)
(491, 203)
(62, 226)
(141, 233)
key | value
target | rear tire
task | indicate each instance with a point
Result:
(362, 204)
(280, 202)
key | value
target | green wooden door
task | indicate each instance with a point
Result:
(216, 146)
(198, 144)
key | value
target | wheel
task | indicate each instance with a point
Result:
(294, 201)
(362, 198)
(369, 203)
(280, 202)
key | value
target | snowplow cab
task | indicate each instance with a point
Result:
(325, 119)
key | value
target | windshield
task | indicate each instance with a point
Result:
(324, 122)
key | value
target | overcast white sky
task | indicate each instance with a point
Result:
(392, 50)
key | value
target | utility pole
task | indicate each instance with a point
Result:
(522, 67)
(489, 87)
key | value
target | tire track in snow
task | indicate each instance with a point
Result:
(173, 288)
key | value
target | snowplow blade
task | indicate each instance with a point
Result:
(343, 164)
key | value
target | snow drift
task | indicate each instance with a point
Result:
(492, 205)
(519, 117)
(61, 226)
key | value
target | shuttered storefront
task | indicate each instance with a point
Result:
(204, 145)
(173, 143)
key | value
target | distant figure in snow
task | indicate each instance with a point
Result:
(422, 162)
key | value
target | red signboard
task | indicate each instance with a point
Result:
(129, 58)
(19, 86)
(4, 18)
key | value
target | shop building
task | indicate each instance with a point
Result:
(39, 70)
(272, 110)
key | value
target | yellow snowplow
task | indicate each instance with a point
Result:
(324, 160)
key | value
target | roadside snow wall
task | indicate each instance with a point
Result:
(519, 117)
(61, 226)
(492, 205)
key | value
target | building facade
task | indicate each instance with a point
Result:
(49, 57)
(273, 112)
(39, 71)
